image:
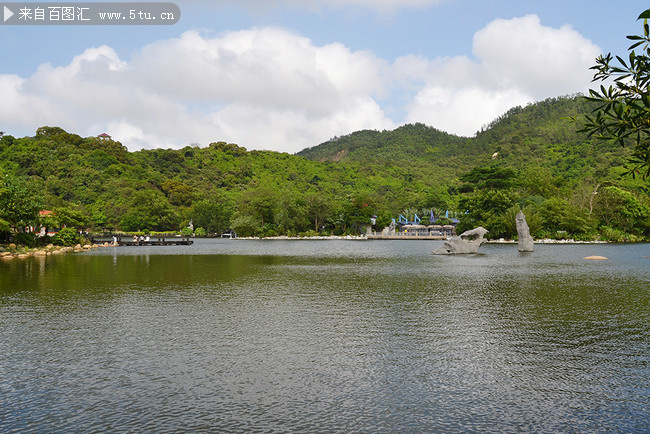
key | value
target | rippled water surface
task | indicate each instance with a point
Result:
(322, 336)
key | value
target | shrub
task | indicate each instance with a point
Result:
(618, 236)
(245, 226)
(25, 239)
(533, 220)
(270, 233)
(66, 237)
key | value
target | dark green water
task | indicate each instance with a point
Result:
(326, 336)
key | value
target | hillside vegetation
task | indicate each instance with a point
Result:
(530, 158)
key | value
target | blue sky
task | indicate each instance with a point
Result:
(290, 74)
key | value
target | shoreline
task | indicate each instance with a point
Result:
(324, 237)
(19, 252)
(365, 238)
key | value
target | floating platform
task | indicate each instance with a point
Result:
(160, 242)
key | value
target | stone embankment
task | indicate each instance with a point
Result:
(548, 241)
(328, 237)
(12, 251)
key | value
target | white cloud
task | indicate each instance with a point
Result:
(284, 128)
(462, 111)
(263, 66)
(540, 60)
(269, 88)
(261, 88)
(518, 61)
(382, 5)
(379, 5)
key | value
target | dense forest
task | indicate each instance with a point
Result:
(530, 158)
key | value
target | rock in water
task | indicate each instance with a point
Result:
(468, 242)
(595, 258)
(526, 243)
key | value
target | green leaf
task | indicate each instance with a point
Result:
(644, 15)
(633, 46)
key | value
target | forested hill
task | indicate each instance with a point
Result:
(539, 133)
(531, 157)
(399, 145)
(543, 135)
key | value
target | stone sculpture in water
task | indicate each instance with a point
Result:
(526, 243)
(468, 242)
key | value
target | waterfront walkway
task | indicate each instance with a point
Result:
(403, 236)
(157, 241)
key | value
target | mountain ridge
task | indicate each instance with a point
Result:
(530, 156)
(544, 120)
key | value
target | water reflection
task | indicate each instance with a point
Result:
(326, 337)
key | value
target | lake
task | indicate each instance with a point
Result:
(326, 336)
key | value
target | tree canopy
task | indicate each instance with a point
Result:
(569, 182)
(622, 113)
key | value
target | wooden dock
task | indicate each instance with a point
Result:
(153, 241)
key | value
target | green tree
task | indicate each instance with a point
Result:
(178, 193)
(213, 215)
(319, 208)
(356, 212)
(486, 208)
(622, 113)
(66, 237)
(149, 209)
(560, 215)
(491, 177)
(245, 225)
(260, 203)
(19, 203)
(98, 216)
(66, 216)
(540, 157)
(621, 209)
(291, 213)
(49, 131)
